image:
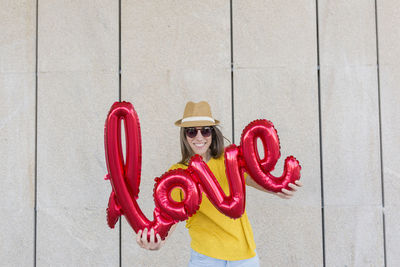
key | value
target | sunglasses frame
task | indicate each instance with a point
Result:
(201, 131)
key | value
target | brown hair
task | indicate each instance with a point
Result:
(216, 147)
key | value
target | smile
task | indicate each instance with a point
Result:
(200, 145)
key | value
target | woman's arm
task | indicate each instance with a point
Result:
(286, 194)
(141, 239)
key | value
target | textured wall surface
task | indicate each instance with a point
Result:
(275, 78)
(17, 132)
(350, 134)
(389, 66)
(77, 79)
(326, 73)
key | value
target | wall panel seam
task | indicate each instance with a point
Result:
(119, 99)
(36, 131)
(380, 132)
(320, 136)
(232, 66)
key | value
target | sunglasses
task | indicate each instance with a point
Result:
(191, 132)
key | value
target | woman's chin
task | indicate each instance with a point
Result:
(201, 153)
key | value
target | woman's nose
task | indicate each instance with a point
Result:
(199, 135)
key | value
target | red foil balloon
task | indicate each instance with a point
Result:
(232, 205)
(125, 178)
(192, 195)
(259, 169)
(197, 178)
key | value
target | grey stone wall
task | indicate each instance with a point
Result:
(325, 72)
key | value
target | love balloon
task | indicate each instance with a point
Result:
(197, 178)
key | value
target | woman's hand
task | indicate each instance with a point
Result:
(287, 194)
(141, 239)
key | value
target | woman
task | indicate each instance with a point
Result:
(215, 238)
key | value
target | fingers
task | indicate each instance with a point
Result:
(152, 236)
(293, 187)
(141, 239)
(288, 193)
(138, 238)
(154, 244)
(159, 241)
(298, 183)
(144, 238)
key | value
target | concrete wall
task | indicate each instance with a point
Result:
(325, 72)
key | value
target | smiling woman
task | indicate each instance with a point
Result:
(206, 143)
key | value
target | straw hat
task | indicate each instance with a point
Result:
(197, 114)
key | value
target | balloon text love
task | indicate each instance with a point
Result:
(197, 178)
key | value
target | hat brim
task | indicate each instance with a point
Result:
(179, 123)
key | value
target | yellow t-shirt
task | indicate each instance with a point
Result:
(214, 234)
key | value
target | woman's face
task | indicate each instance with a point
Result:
(200, 143)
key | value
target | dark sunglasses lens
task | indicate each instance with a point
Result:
(206, 131)
(191, 132)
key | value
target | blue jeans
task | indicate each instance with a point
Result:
(200, 260)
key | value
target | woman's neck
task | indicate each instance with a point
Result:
(206, 157)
